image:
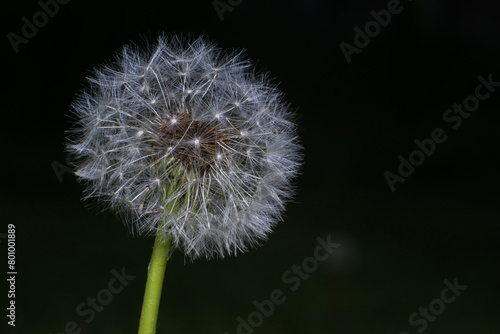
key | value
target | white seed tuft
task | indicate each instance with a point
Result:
(132, 146)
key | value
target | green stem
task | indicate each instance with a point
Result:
(152, 295)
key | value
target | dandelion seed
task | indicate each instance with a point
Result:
(167, 165)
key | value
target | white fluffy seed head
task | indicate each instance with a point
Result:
(189, 141)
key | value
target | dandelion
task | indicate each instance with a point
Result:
(187, 143)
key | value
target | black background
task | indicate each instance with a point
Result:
(397, 247)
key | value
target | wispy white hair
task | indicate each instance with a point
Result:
(186, 140)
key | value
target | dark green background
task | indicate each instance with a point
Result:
(355, 119)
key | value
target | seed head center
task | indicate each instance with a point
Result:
(196, 144)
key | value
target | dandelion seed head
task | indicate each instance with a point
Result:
(186, 140)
